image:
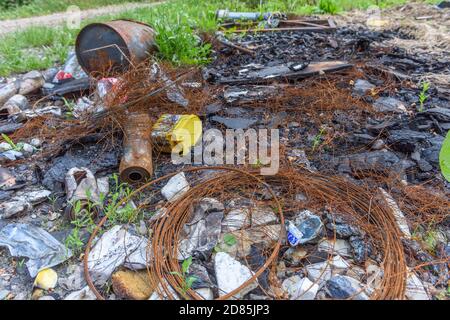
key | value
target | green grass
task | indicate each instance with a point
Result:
(43, 7)
(175, 21)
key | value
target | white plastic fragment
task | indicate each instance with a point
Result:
(42, 249)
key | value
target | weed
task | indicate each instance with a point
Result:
(423, 95)
(188, 281)
(328, 6)
(74, 242)
(9, 141)
(317, 140)
(229, 240)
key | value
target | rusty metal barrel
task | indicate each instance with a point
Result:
(112, 47)
(136, 166)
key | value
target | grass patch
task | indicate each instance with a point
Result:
(176, 22)
(43, 7)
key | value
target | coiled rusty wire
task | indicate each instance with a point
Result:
(361, 205)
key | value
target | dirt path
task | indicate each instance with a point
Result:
(59, 18)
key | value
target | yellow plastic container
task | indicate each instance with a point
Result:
(177, 133)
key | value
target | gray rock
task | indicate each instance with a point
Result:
(27, 149)
(234, 123)
(300, 288)
(441, 114)
(36, 142)
(31, 82)
(12, 155)
(16, 104)
(378, 144)
(309, 226)
(372, 161)
(406, 140)
(13, 208)
(4, 146)
(7, 91)
(361, 87)
(361, 249)
(343, 287)
(389, 104)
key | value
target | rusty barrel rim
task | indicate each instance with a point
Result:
(113, 41)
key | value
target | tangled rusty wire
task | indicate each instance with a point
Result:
(361, 205)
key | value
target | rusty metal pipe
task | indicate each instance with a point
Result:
(112, 47)
(136, 166)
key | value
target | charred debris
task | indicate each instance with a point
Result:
(358, 209)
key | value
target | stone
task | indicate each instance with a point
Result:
(7, 91)
(376, 161)
(132, 285)
(175, 187)
(12, 155)
(205, 293)
(13, 208)
(295, 255)
(378, 144)
(300, 288)
(83, 294)
(343, 287)
(340, 247)
(361, 249)
(36, 197)
(415, 289)
(319, 272)
(47, 298)
(234, 123)
(305, 228)
(337, 262)
(36, 142)
(16, 104)
(46, 279)
(389, 104)
(406, 140)
(361, 87)
(4, 146)
(231, 274)
(31, 82)
(27, 149)
(298, 157)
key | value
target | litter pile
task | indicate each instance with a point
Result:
(358, 209)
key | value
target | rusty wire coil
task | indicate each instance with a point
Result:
(361, 205)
